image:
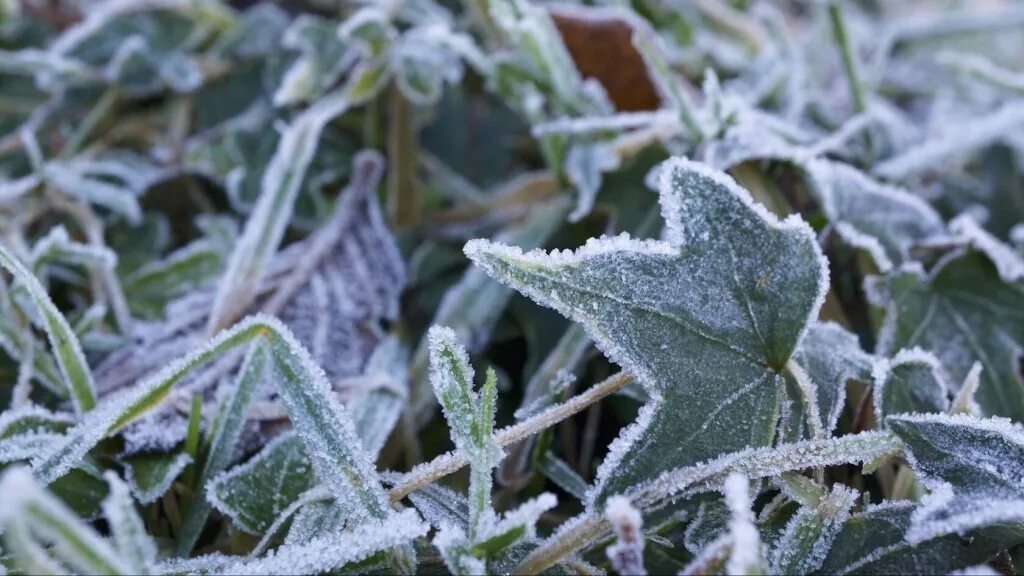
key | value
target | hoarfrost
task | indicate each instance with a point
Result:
(334, 551)
(972, 468)
(810, 533)
(733, 285)
(911, 381)
(627, 553)
(133, 542)
(747, 556)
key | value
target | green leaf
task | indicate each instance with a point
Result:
(732, 287)
(66, 348)
(323, 424)
(810, 534)
(254, 494)
(972, 468)
(871, 542)
(333, 552)
(470, 417)
(32, 516)
(151, 475)
(474, 304)
(909, 382)
(832, 356)
(266, 226)
(963, 312)
(223, 441)
(133, 542)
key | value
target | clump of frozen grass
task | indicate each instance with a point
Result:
(263, 352)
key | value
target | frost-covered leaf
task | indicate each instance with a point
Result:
(883, 220)
(335, 552)
(811, 532)
(134, 544)
(963, 312)
(32, 518)
(151, 475)
(269, 219)
(254, 494)
(66, 348)
(872, 542)
(223, 439)
(732, 286)
(832, 356)
(323, 59)
(972, 468)
(936, 152)
(439, 506)
(470, 417)
(474, 304)
(911, 381)
(886, 221)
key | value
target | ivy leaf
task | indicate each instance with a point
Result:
(832, 356)
(706, 321)
(963, 312)
(871, 542)
(972, 467)
(910, 382)
(257, 492)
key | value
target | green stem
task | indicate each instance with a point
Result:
(839, 30)
(98, 113)
(402, 151)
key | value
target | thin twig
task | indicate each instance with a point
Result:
(446, 464)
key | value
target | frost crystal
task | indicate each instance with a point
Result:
(733, 285)
(747, 556)
(972, 468)
(627, 553)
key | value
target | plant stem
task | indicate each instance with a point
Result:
(835, 14)
(402, 150)
(453, 461)
(583, 529)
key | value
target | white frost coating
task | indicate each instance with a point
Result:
(768, 461)
(883, 368)
(593, 247)
(619, 447)
(979, 570)
(671, 199)
(672, 207)
(865, 242)
(746, 557)
(826, 520)
(810, 393)
(964, 402)
(270, 216)
(989, 501)
(154, 492)
(25, 500)
(334, 551)
(9, 418)
(58, 244)
(627, 553)
(451, 542)
(129, 533)
(615, 123)
(982, 68)
(969, 137)
(525, 516)
(710, 558)
(1007, 261)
